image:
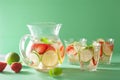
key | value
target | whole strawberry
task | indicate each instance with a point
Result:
(16, 67)
(2, 66)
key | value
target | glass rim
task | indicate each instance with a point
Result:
(43, 23)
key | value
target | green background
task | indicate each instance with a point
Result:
(89, 19)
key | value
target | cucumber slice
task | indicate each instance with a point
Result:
(107, 50)
(86, 55)
(50, 58)
(34, 59)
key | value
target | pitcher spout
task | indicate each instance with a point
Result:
(57, 29)
(44, 29)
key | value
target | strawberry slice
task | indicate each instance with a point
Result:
(94, 62)
(110, 45)
(50, 47)
(2, 66)
(39, 47)
(71, 49)
(101, 48)
(108, 48)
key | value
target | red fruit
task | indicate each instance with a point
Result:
(70, 49)
(109, 45)
(62, 51)
(40, 48)
(50, 48)
(2, 66)
(16, 67)
(101, 48)
(94, 62)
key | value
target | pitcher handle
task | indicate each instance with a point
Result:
(22, 48)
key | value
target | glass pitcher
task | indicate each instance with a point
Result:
(44, 49)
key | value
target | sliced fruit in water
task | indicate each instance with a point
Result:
(86, 55)
(34, 59)
(62, 51)
(50, 58)
(107, 49)
(94, 61)
(101, 41)
(39, 47)
(50, 47)
(71, 50)
(59, 56)
(77, 46)
(110, 45)
(101, 49)
(105, 59)
(73, 58)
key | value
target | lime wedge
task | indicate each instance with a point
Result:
(50, 58)
(86, 55)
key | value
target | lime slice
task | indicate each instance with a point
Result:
(59, 57)
(50, 58)
(107, 50)
(86, 55)
(34, 59)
